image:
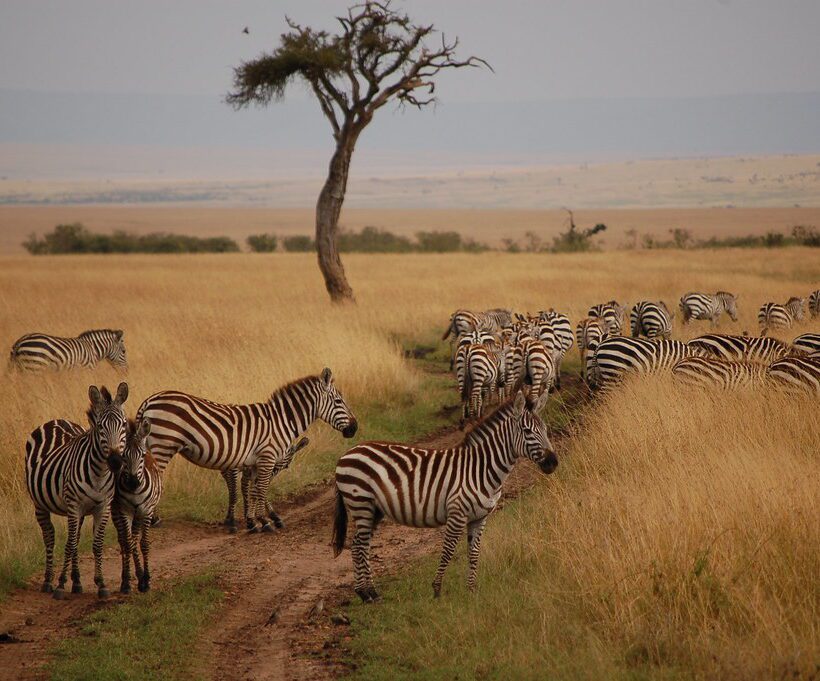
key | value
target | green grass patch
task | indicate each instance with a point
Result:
(149, 637)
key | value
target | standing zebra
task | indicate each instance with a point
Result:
(808, 342)
(743, 348)
(612, 313)
(230, 438)
(650, 319)
(483, 373)
(37, 351)
(464, 321)
(716, 373)
(814, 303)
(621, 355)
(706, 306)
(590, 333)
(801, 374)
(775, 316)
(71, 472)
(139, 487)
(563, 338)
(539, 367)
(456, 488)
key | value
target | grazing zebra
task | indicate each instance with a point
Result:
(37, 351)
(139, 487)
(483, 373)
(230, 438)
(561, 329)
(619, 355)
(808, 342)
(801, 374)
(775, 316)
(650, 319)
(612, 313)
(590, 333)
(744, 348)
(814, 303)
(464, 321)
(456, 488)
(716, 373)
(706, 306)
(71, 472)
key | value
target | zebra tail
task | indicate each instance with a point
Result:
(339, 525)
(447, 332)
(467, 386)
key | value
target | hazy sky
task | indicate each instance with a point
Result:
(540, 50)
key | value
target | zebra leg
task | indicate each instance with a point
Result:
(452, 533)
(136, 529)
(360, 549)
(144, 582)
(47, 528)
(247, 479)
(259, 496)
(124, 538)
(231, 476)
(76, 585)
(274, 516)
(70, 547)
(474, 530)
(101, 514)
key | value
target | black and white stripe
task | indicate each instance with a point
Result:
(559, 327)
(252, 438)
(808, 343)
(71, 472)
(797, 374)
(483, 374)
(814, 304)
(38, 351)
(618, 356)
(710, 372)
(775, 316)
(743, 348)
(708, 306)
(455, 488)
(612, 313)
(651, 319)
(590, 332)
(463, 322)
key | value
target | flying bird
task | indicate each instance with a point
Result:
(245, 31)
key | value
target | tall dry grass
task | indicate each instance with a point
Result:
(234, 327)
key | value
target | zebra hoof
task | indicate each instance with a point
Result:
(125, 588)
(232, 529)
(47, 588)
(144, 586)
(156, 521)
(59, 594)
(76, 588)
(102, 592)
(253, 529)
(277, 521)
(268, 528)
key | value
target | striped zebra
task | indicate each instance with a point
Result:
(483, 374)
(776, 316)
(561, 329)
(463, 322)
(71, 472)
(621, 355)
(798, 374)
(455, 488)
(37, 351)
(590, 333)
(808, 342)
(651, 319)
(744, 348)
(252, 438)
(814, 304)
(138, 490)
(612, 313)
(539, 367)
(706, 306)
(710, 372)
(465, 342)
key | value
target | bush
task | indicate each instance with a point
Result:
(438, 242)
(262, 243)
(373, 240)
(575, 240)
(298, 244)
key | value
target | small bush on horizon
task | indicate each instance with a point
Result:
(262, 243)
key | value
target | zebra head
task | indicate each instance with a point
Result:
(532, 440)
(108, 423)
(795, 308)
(333, 409)
(133, 461)
(116, 351)
(729, 302)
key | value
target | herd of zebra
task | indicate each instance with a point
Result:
(115, 466)
(496, 350)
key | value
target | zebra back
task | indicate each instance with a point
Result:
(799, 374)
(743, 348)
(716, 373)
(621, 355)
(651, 319)
(807, 342)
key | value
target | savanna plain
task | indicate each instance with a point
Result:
(677, 539)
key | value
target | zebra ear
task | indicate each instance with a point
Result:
(96, 397)
(327, 377)
(519, 404)
(122, 393)
(144, 429)
(118, 334)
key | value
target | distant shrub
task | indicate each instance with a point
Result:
(806, 235)
(374, 240)
(75, 238)
(298, 243)
(576, 240)
(262, 243)
(439, 242)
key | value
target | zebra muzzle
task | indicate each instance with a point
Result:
(351, 429)
(115, 462)
(549, 463)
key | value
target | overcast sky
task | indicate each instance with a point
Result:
(540, 50)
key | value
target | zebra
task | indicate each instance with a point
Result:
(465, 342)
(589, 333)
(814, 303)
(808, 342)
(138, 490)
(651, 319)
(744, 348)
(706, 306)
(612, 313)
(800, 374)
(464, 321)
(539, 366)
(251, 438)
(775, 316)
(456, 488)
(483, 372)
(619, 355)
(713, 372)
(71, 472)
(38, 351)
(563, 338)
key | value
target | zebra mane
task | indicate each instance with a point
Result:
(473, 435)
(91, 332)
(304, 381)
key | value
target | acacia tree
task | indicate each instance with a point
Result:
(378, 55)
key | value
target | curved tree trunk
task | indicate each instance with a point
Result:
(328, 208)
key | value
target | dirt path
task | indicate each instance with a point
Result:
(264, 629)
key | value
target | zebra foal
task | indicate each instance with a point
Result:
(38, 351)
(455, 488)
